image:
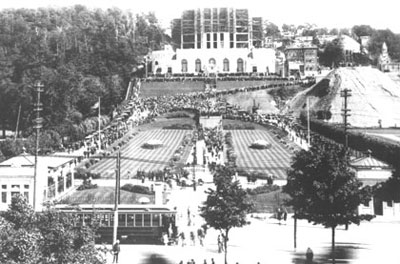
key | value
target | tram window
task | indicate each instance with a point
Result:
(122, 220)
(130, 220)
(111, 219)
(80, 219)
(87, 219)
(147, 220)
(156, 220)
(104, 219)
(138, 220)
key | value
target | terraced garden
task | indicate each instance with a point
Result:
(274, 160)
(135, 157)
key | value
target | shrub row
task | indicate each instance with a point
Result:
(238, 127)
(381, 149)
(136, 189)
(266, 188)
(179, 126)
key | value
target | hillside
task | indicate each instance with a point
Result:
(375, 98)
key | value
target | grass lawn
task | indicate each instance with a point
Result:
(103, 195)
(268, 202)
(135, 158)
(171, 88)
(274, 160)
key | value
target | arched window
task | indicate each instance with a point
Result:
(184, 65)
(198, 65)
(226, 65)
(211, 61)
(239, 65)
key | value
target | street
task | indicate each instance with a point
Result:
(264, 240)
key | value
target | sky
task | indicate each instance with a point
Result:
(380, 14)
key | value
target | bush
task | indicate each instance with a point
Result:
(136, 189)
(87, 184)
(179, 126)
(263, 189)
(382, 149)
(178, 115)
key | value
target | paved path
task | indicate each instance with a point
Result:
(265, 241)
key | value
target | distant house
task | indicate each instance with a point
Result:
(385, 63)
(350, 47)
(55, 177)
(301, 60)
(371, 171)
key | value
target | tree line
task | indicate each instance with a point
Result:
(79, 54)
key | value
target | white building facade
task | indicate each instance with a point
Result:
(216, 40)
(55, 177)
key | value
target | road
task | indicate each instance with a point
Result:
(265, 241)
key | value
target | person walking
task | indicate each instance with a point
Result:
(116, 249)
(220, 246)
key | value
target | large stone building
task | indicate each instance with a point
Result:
(215, 40)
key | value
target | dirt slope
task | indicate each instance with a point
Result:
(375, 98)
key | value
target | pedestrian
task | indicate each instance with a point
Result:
(212, 261)
(200, 235)
(192, 238)
(182, 236)
(205, 262)
(285, 213)
(309, 256)
(116, 249)
(279, 214)
(220, 246)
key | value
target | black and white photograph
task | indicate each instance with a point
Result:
(199, 132)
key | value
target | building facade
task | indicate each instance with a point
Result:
(55, 177)
(215, 40)
(371, 171)
(302, 60)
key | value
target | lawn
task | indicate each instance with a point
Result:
(135, 158)
(268, 202)
(274, 160)
(103, 195)
(171, 88)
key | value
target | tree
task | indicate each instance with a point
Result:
(378, 38)
(390, 189)
(272, 30)
(46, 237)
(323, 190)
(362, 30)
(332, 54)
(226, 206)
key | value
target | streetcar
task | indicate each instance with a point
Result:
(137, 224)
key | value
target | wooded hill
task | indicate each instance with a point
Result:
(79, 54)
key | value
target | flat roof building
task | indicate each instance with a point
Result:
(215, 40)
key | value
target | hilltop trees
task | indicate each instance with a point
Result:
(226, 206)
(332, 54)
(79, 55)
(323, 190)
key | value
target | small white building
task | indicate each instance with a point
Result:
(371, 171)
(55, 177)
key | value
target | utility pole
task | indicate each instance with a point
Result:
(38, 121)
(117, 198)
(16, 128)
(345, 93)
(308, 121)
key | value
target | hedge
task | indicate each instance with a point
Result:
(382, 149)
